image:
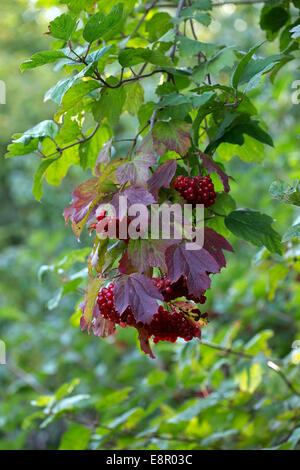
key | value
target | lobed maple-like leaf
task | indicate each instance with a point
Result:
(173, 135)
(194, 264)
(139, 293)
(162, 177)
(137, 170)
(212, 166)
(214, 243)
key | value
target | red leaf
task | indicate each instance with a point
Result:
(212, 166)
(144, 342)
(214, 243)
(83, 195)
(162, 177)
(194, 264)
(80, 209)
(139, 293)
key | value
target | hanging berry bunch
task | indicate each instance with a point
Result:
(175, 158)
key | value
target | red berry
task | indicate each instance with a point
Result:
(196, 190)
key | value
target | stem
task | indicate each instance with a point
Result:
(147, 9)
(81, 141)
(270, 362)
(176, 28)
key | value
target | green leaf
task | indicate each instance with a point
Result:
(276, 273)
(19, 148)
(57, 92)
(238, 72)
(293, 232)
(59, 168)
(100, 25)
(254, 227)
(158, 26)
(134, 98)
(273, 18)
(66, 389)
(188, 47)
(96, 55)
(76, 437)
(76, 92)
(250, 377)
(295, 32)
(110, 105)
(259, 343)
(44, 129)
(290, 194)
(250, 151)
(90, 297)
(113, 398)
(89, 151)
(63, 26)
(42, 58)
(129, 57)
(38, 177)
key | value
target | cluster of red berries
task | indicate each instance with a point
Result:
(177, 289)
(111, 225)
(196, 190)
(107, 309)
(165, 326)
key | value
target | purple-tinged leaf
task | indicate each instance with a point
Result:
(135, 195)
(137, 170)
(139, 293)
(194, 264)
(212, 166)
(173, 135)
(214, 243)
(144, 254)
(125, 266)
(146, 146)
(162, 177)
(103, 156)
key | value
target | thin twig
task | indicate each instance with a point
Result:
(81, 141)
(270, 362)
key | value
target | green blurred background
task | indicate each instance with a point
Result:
(44, 350)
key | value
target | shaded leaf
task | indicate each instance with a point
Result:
(194, 264)
(254, 227)
(162, 177)
(38, 177)
(139, 293)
